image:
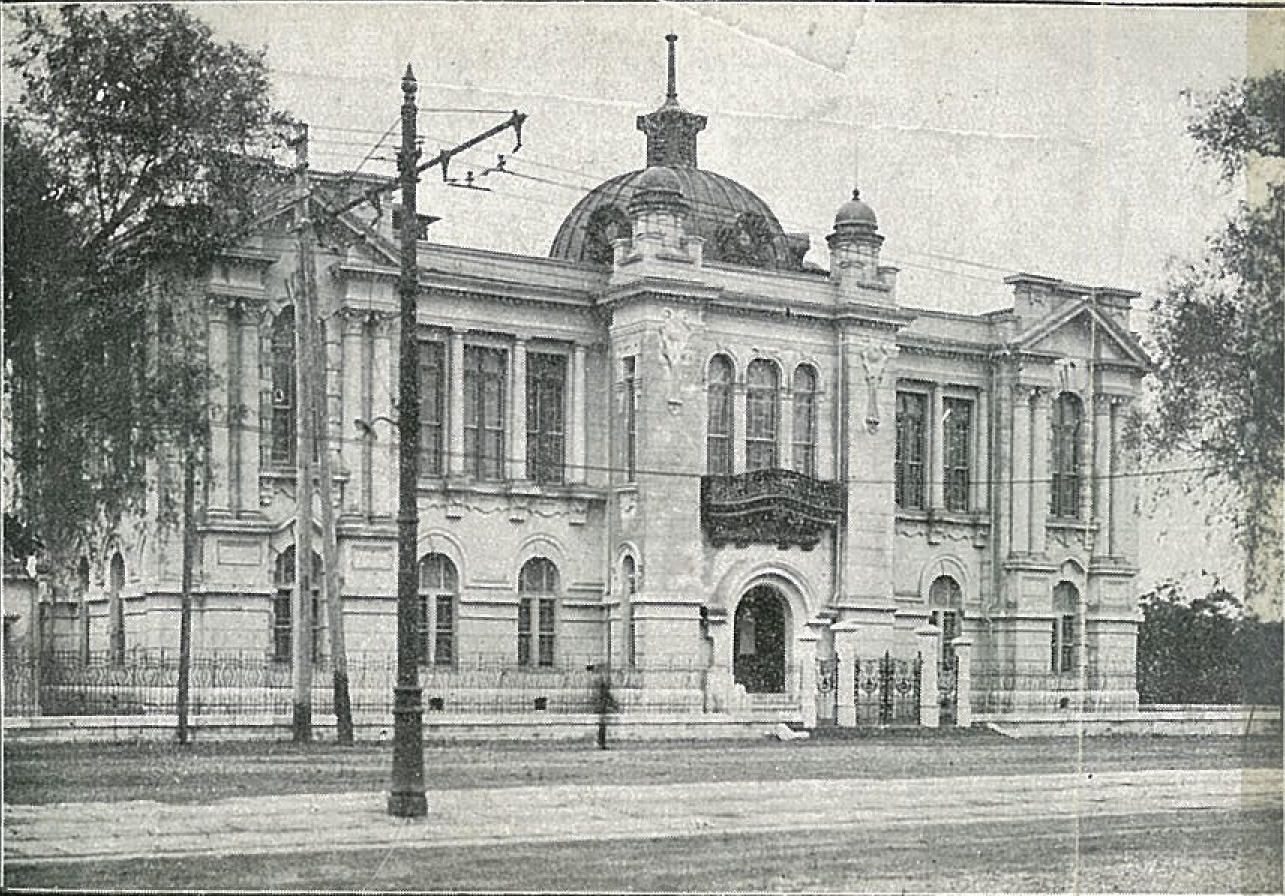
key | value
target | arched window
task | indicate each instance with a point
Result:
(439, 588)
(116, 609)
(761, 414)
(82, 588)
(1066, 605)
(282, 608)
(718, 426)
(805, 419)
(537, 612)
(282, 441)
(946, 603)
(1064, 490)
(629, 576)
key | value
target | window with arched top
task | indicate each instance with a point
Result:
(762, 382)
(1065, 457)
(946, 600)
(1066, 607)
(82, 588)
(281, 443)
(439, 589)
(283, 609)
(718, 425)
(805, 419)
(629, 577)
(537, 612)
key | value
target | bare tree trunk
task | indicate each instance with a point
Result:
(185, 605)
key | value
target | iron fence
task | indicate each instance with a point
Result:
(886, 690)
(255, 685)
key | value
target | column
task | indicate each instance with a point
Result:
(963, 682)
(785, 430)
(219, 495)
(845, 649)
(981, 453)
(1122, 484)
(936, 450)
(807, 653)
(929, 637)
(383, 460)
(1020, 470)
(252, 386)
(577, 425)
(1103, 410)
(737, 434)
(517, 412)
(355, 438)
(455, 411)
(1040, 443)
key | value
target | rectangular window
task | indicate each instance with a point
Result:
(484, 390)
(546, 631)
(432, 411)
(524, 631)
(958, 432)
(282, 624)
(1063, 658)
(540, 611)
(910, 450)
(804, 454)
(318, 621)
(545, 413)
(444, 631)
(631, 418)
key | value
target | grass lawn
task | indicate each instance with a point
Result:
(48, 773)
(1187, 852)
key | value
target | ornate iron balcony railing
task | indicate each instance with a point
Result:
(775, 506)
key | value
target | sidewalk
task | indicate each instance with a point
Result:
(532, 814)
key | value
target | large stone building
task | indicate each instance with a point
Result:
(673, 443)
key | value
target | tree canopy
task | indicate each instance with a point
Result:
(132, 159)
(1218, 328)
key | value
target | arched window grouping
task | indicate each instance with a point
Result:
(439, 588)
(1065, 457)
(537, 612)
(283, 609)
(281, 446)
(762, 414)
(718, 426)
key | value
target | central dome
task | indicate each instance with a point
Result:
(737, 226)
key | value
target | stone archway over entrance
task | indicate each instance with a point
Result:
(759, 631)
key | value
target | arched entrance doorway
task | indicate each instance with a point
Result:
(758, 641)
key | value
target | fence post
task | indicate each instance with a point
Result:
(808, 677)
(845, 683)
(963, 682)
(929, 650)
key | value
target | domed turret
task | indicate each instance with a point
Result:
(855, 213)
(854, 253)
(737, 227)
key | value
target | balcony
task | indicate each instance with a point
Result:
(775, 506)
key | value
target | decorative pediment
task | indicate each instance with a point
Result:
(1082, 330)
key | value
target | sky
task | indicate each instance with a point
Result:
(988, 139)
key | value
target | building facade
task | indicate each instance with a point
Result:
(672, 443)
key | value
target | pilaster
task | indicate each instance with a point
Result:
(217, 483)
(963, 682)
(936, 450)
(785, 428)
(351, 449)
(845, 650)
(980, 499)
(737, 434)
(929, 637)
(455, 409)
(1021, 471)
(1103, 456)
(577, 425)
(383, 450)
(1040, 444)
(250, 402)
(516, 466)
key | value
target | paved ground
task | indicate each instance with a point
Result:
(1131, 820)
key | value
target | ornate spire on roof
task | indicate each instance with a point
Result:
(671, 130)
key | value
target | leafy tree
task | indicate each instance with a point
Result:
(132, 158)
(1206, 650)
(1219, 326)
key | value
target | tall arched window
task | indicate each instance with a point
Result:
(629, 575)
(718, 426)
(945, 599)
(537, 612)
(1066, 604)
(282, 608)
(116, 609)
(282, 435)
(82, 587)
(761, 414)
(439, 588)
(805, 419)
(1064, 463)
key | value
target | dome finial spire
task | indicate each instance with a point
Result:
(671, 93)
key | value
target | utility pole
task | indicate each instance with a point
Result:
(406, 798)
(317, 406)
(301, 599)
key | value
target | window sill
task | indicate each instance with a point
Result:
(958, 517)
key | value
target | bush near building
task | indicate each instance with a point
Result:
(1206, 650)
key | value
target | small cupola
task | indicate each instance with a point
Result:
(854, 253)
